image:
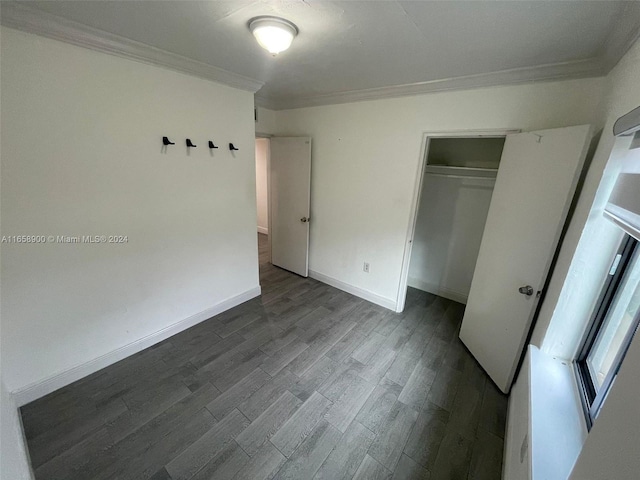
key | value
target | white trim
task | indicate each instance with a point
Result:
(438, 290)
(44, 387)
(32, 20)
(353, 290)
(558, 428)
(591, 67)
(516, 452)
(264, 230)
(411, 227)
(417, 191)
(473, 133)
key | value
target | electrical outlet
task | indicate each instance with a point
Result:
(365, 267)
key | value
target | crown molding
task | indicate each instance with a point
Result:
(32, 20)
(592, 67)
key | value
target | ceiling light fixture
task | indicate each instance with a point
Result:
(274, 34)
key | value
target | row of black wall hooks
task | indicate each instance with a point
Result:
(190, 144)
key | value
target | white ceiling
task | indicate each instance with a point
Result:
(358, 49)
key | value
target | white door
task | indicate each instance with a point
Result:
(533, 191)
(290, 192)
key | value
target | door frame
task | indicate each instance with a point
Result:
(417, 194)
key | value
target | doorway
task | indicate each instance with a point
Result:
(283, 196)
(451, 203)
(262, 200)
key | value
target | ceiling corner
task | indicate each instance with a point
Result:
(623, 37)
(266, 102)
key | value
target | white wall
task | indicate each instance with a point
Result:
(262, 198)
(365, 159)
(611, 449)
(584, 276)
(14, 463)
(517, 460)
(266, 123)
(449, 227)
(81, 155)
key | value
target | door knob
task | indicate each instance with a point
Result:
(526, 290)
(304, 219)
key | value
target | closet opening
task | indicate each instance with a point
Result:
(451, 202)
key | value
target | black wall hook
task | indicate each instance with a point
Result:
(211, 145)
(232, 147)
(190, 143)
(166, 141)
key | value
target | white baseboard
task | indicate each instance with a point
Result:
(44, 387)
(264, 230)
(438, 290)
(353, 290)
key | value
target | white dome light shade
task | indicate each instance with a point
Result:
(273, 33)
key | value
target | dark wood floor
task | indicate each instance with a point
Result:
(305, 382)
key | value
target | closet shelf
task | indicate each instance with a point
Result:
(461, 172)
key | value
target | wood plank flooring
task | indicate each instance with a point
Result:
(306, 382)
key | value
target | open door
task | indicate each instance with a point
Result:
(290, 192)
(533, 191)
